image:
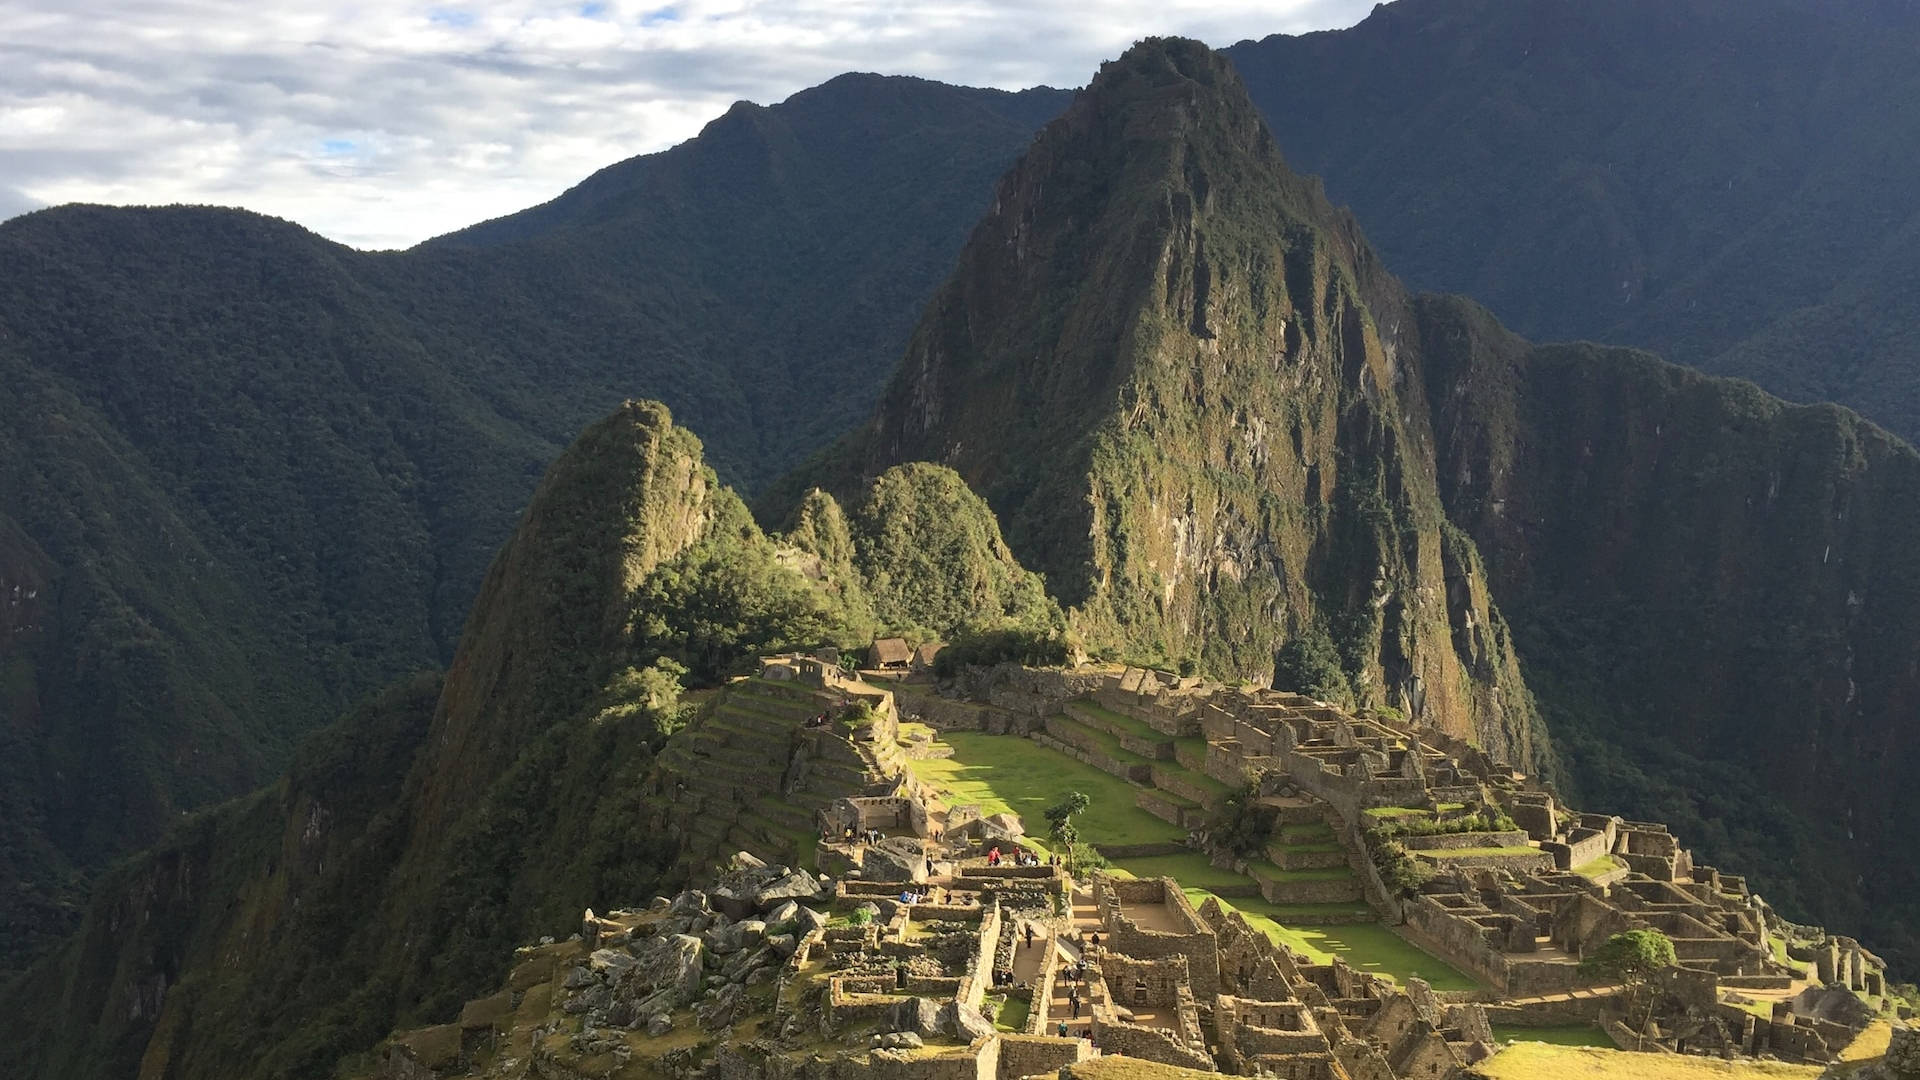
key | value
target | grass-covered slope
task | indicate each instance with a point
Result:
(256, 475)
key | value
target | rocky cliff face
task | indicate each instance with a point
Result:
(1188, 389)
(1733, 577)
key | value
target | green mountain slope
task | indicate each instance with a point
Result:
(1678, 176)
(253, 475)
(1174, 370)
(1227, 436)
(387, 877)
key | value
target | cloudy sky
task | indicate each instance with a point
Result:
(382, 124)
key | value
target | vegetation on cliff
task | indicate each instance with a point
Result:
(1166, 362)
(258, 475)
(388, 876)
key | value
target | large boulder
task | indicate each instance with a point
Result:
(917, 1014)
(795, 885)
(783, 913)
(807, 921)
(610, 962)
(684, 966)
(964, 1022)
(1009, 824)
(896, 859)
(734, 901)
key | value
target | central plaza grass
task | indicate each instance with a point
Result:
(1006, 774)
(1544, 1061)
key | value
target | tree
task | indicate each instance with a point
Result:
(1631, 957)
(1060, 819)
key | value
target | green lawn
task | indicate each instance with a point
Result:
(1367, 946)
(1005, 774)
(1544, 1061)
(1451, 853)
(1013, 1013)
(1273, 873)
(1106, 742)
(1563, 1035)
(1398, 812)
(1605, 864)
(1190, 869)
(1137, 728)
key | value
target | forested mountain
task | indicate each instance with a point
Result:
(1234, 443)
(251, 475)
(1726, 182)
(1199, 403)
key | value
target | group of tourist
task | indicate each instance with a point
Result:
(1021, 857)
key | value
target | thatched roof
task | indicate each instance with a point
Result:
(890, 650)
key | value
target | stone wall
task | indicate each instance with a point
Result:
(1059, 737)
(1456, 841)
(1030, 1055)
(1148, 1044)
(1194, 940)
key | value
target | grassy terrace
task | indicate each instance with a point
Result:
(1455, 853)
(1563, 1035)
(1605, 864)
(1105, 741)
(1003, 773)
(1545, 1061)
(1367, 946)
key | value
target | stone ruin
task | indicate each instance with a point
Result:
(912, 959)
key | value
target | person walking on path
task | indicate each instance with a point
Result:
(1029, 935)
(1073, 1002)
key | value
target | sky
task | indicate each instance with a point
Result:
(380, 125)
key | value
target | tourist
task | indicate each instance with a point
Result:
(993, 856)
(1073, 1001)
(1095, 942)
(1063, 1029)
(1029, 935)
(849, 835)
(929, 866)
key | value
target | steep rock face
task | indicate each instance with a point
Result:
(1185, 385)
(1718, 595)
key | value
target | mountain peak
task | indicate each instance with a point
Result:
(1176, 373)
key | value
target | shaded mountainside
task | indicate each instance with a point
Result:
(1724, 181)
(387, 877)
(252, 475)
(1175, 372)
(1717, 598)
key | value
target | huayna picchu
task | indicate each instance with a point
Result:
(1252, 745)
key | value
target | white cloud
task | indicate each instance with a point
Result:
(382, 125)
